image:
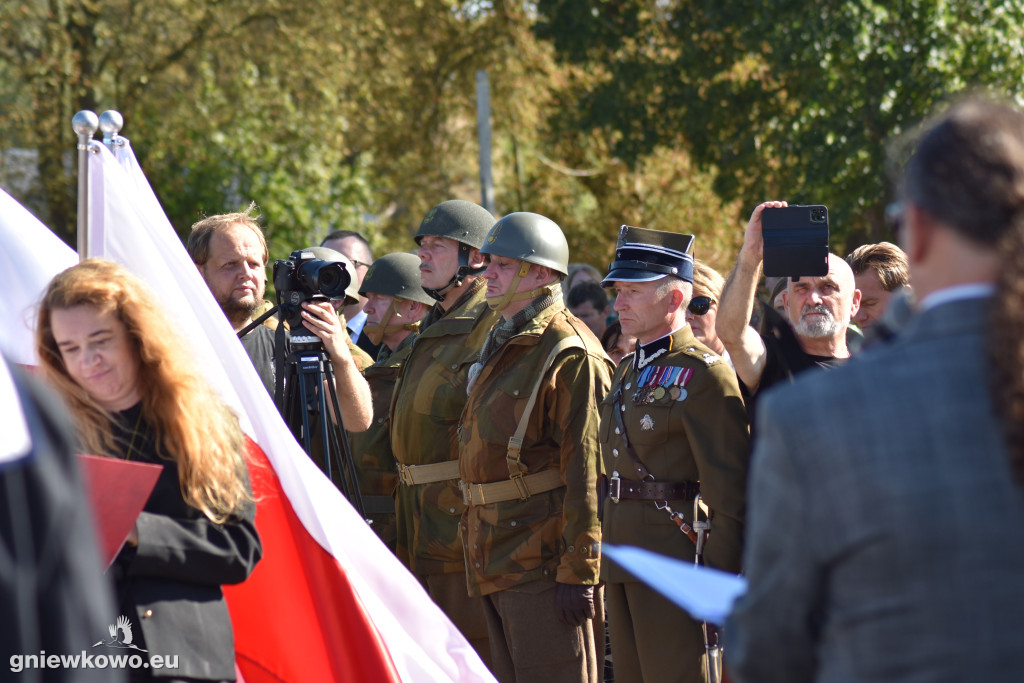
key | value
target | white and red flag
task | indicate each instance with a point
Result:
(328, 602)
(30, 256)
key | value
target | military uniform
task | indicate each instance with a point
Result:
(553, 535)
(425, 412)
(681, 408)
(375, 464)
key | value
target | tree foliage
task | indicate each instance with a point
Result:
(670, 114)
(783, 98)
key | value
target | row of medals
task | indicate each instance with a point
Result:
(657, 381)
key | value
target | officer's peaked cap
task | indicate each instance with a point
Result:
(643, 255)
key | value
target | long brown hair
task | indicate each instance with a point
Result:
(193, 426)
(968, 168)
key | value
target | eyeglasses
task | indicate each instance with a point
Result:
(699, 305)
(359, 263)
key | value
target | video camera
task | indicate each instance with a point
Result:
(304, 277)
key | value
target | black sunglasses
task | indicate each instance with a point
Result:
(699, 305)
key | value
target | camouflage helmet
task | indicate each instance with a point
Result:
(459, 220)
(326, 254)
(529, 237)
(396, 275)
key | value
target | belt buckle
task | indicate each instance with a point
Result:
(405, 474)
(467, 499)
(517, 479)
(614, 486)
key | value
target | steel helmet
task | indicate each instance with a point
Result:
(529, 237)
(459, 220)
(396, 275)
(466, 223)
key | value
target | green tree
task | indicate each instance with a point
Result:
(787, 99)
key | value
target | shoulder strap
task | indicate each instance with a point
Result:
(515, 443)
(638, 466)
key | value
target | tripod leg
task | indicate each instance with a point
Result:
(300, 404)
(347, 462)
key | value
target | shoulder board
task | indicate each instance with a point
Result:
(707, 357)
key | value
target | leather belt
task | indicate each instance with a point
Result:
(410, 475)
(517, 488)
(630, 489)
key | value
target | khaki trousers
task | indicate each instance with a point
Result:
(653, 641)
(530, 645)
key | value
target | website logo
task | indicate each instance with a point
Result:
(120, 635)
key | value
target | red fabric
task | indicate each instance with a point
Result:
(297, 618)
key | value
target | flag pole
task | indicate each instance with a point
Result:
(84, 124)
(111, 122)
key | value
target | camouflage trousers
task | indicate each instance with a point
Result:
(529, 643)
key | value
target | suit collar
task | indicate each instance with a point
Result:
(961, 316)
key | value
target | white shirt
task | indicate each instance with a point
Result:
(971, 290)
(355, 325)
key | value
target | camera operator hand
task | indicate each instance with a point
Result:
(320, 318)
(353, 391)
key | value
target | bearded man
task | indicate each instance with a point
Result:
(819, 310)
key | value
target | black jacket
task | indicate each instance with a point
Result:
(171, 582)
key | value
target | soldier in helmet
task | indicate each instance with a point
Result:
(672, 427)
(394, 304)
(528, 461)
(427, 404)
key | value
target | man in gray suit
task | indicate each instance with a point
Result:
(885, 537)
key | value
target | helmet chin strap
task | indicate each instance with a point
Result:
(499, 303)
(461, 273)
(376, 333)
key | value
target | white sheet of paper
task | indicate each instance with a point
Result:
(707, 594)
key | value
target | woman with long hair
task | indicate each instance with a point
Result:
(135, 394)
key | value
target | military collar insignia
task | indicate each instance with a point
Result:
(646, 353)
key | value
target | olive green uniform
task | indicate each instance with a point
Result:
(682, 411)
(552, 535)
(375, 464)
(425, 412)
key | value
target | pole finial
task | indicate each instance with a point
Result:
(111, 122)
(85, 124)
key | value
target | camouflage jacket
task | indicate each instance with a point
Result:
(686, 420)
(554, 535)
(375, 464)
(425, 411)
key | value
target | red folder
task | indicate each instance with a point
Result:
(117, 491)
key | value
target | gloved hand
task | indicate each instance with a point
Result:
(574, 604)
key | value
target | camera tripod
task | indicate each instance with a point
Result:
(306, 397)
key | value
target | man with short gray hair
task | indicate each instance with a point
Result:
(673, 427)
